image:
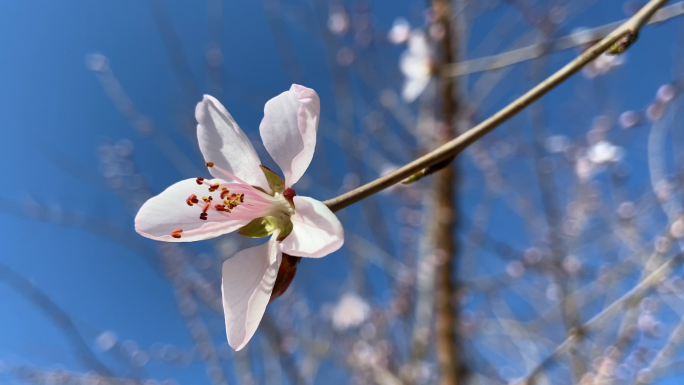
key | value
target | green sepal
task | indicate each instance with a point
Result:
(258, 228)
(285, 232)
(262, 190)
(277, 183)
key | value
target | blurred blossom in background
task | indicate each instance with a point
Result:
(569, 216)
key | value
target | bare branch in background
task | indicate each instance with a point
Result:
(610, 311)
(534, 51)
(449, 347)
(455, 146)
(60, 318)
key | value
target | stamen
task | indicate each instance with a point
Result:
(241, 197)
(213, 187)
(220, 208)
(191, 199)
(224, 192)
(176, 233)
(210, 164)
(231, 176)
(199, 180)
(203, 216)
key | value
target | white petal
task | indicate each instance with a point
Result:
(316, 233)
(223, 143)
(166, 212)
(400, 31)
(289, 130)
(248, 280)
(414, 66)
(418, 44)
(413, 87)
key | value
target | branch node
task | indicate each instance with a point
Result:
(624, 42)
(429, 170)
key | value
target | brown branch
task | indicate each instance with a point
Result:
(447, 341)
(455, 146)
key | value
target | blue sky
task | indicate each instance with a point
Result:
(52, 107)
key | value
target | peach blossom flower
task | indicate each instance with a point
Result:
(416, 65)
(250, 199)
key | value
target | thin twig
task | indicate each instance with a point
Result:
(455, 146)
(534, 51)
(636, 292)
(664, 357)
(59, 317)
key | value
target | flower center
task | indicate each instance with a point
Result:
(240, 201)
(282, 209)
(277, 217)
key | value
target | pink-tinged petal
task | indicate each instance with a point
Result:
(248, 280)
(223, 143)
(289, 130)
(316, 232)
(160, 216)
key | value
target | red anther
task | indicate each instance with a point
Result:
(224, 193)
(176, 233)
(199, 180)
(203, 216)
(232, 196)
(210, 164)
(213, 187)
(191, 199)
(220, 208)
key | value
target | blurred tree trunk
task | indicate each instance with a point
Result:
(444, 215)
